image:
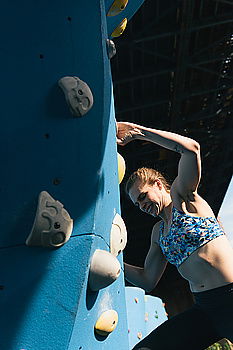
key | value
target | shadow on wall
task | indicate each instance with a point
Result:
(19, 281)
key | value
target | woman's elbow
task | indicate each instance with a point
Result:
(149, 286)
(197, 147)
(193, 147)
(149, 289)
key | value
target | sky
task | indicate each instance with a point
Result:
(226, 212)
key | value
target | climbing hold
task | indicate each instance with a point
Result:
(136, 300)
(120, 29)
(111, 48)
(139, 335)
(118, 235)
(52, 225)
(146, 316)
(104, 270)
(121, 167)
(78, 95)
(117, 7)
(107, 322)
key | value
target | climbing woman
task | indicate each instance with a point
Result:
(188, 236)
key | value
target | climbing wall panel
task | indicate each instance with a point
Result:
(45, 299)
(144, 313)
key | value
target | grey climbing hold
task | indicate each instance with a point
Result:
(52, 225)
(78, 95)
(111, 48)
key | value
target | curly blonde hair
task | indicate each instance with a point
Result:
(146, 176)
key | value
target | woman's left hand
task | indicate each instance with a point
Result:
(126, 132)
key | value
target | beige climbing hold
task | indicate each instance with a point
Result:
(118, 235)
(117, 7)
(52, 225)
(119, 29)
(121, 167)
(107, 322)
(139, 335)
(104, 270)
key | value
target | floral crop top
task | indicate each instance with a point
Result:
(187, 234)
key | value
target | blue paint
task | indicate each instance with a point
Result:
(144, 313)
(74, 151)
(135, 314)
(45, 302)
(155, 313)
(41, 292)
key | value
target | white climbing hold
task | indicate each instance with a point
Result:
(118, 235)
(104, 270)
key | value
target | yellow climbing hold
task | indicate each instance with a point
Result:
(121, 167)
(107, 322)
(120, 29)
(117, 7)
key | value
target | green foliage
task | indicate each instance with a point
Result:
(215, 346)
(223, 344)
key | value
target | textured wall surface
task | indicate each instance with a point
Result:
(144, 314)
(44, 297)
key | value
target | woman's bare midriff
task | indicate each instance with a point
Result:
(210, 266)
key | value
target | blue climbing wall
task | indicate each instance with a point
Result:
(155, 312)
(144, 314)
(44, 299)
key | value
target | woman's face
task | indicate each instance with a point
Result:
(147, 197)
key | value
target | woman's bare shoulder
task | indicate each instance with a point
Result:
(193, 204)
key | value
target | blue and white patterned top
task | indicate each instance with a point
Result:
(187, 234)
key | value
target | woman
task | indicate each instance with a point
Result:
(189, 237)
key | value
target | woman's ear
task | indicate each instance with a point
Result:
(159, 184)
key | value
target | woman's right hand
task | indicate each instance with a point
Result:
(126, 132)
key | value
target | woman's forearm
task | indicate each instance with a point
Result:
(167, 139)
(127, 132)
(135, 275)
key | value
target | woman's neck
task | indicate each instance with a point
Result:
(167, 210)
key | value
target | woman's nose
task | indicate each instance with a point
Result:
(142, 206)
